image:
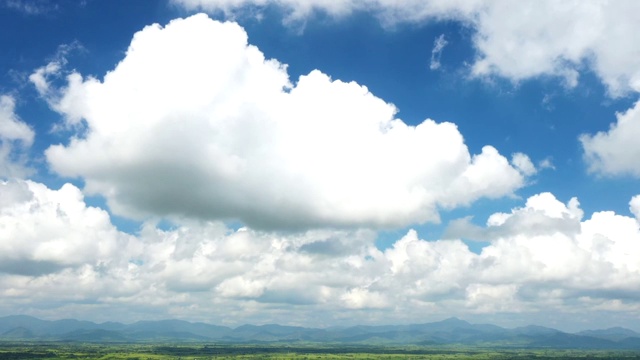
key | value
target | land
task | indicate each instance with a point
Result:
(25, 337)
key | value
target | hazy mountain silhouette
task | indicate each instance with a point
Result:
(446, 332)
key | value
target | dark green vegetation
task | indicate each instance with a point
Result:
(300, 352)
(448, 333)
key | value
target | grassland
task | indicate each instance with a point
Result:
(26, 351)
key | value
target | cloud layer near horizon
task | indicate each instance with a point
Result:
(252, 276)
(196, 123)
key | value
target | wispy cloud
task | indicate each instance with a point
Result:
(34, 7)
(438, 45)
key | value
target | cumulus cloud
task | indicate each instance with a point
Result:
(15, 137)
(206, 270)
(543, 214)
(208, 128)
(516, 40)
(615, 152)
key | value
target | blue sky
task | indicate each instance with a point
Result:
(321, 164)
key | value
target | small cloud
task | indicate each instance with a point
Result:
(438, 45)
(33, 8)
(523, 164)
(547, 102)
(546, 164)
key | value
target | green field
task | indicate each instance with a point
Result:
(24, 351)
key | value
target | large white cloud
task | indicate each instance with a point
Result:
(617, 151)
(520, 40)
(204, 270)
(516, 40)
(15, 137)
(194, 122)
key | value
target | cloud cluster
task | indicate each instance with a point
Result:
(15, 137)
(195, 125)
(195, 122)
(532, 38)
(204, 270)
(517, 40)
(44, 230)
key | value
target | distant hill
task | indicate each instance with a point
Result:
(18, 333)
(615, 334)
(447, 332)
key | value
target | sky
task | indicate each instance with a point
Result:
(321, 163)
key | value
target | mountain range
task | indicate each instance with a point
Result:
(451, 331)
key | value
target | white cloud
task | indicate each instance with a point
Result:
(41, 77)
(389, 11)
(523, 40)
(11, 127)
(47, 230)
(208, 128)
(205, 270)
(13, 132)
(617, 151)
(595, 259)
(634, 206)
(542, 215)
(546, 164)
(361, 298)
(436, 53)
(523, 163)
(296, 9)
(516, 40)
